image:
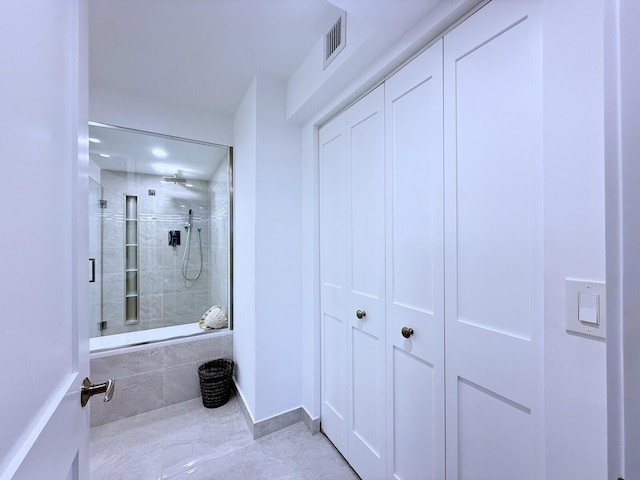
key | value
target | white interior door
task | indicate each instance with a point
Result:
(44, 253)
(494, 244)
(366, 285)
(415, 277)
(333, 282)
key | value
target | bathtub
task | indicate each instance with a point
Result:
(153, 368)
(165, 334)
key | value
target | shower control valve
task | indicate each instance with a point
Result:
(174, 238)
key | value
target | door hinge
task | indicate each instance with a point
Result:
(102, 325)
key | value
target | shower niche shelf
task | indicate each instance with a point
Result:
(132, 303)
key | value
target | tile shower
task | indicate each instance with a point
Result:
(145, 300)
(165, 297)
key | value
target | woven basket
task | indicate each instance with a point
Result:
(215, 382)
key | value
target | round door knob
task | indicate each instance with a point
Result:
(361, 314)
(407, 332)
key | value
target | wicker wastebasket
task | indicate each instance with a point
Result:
(215, 382)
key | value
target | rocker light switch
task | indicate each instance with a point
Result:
(586, 308)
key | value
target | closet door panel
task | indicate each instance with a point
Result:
(333, 282)
(414, 440)
(365, 280)
(415, 277)
(494, 244)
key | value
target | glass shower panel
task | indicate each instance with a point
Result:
(165, 229)
(95, 258)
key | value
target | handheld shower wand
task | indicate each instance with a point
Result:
(187, 249)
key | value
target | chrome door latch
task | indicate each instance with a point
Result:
(89, 389)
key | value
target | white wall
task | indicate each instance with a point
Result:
(377, 41)
(244, 247)
(310, 317)
(144, 113)
(575, 367)
(267, 252)
(278, 252)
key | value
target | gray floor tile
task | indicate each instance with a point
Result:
(189, 442)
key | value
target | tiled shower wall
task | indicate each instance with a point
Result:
(165, 297)
(219, 249)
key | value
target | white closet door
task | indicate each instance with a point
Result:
(366, 285)
(333, 281)
(414, 259)
(494, 244)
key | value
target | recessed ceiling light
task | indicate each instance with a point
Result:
(104, 155)
(159, 152)
(94, 140)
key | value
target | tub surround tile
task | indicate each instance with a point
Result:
(112, 259)
(150, 307)
(159, 264)
(181, 383)
(127, 364)
(133, 395)
(153, 377)
(220, 346)
(151, 283)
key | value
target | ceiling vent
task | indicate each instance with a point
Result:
(335, 40)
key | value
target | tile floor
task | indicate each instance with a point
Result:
(189, 442)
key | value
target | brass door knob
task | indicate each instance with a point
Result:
(407, 332)
(361, 314)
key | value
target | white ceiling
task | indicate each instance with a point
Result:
(200, 53)
(203, 54)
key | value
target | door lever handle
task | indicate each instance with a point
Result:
(93, 270)
(89, 389)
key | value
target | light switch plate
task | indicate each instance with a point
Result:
(586, 307)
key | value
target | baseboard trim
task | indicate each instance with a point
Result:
(312, 424)
(277, 422)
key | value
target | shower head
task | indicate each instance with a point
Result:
(175, 180)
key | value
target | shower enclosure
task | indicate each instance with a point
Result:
(160, 230)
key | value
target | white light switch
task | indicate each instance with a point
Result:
(588, 306)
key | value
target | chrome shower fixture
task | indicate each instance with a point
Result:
(187, 251)
(175, 180)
